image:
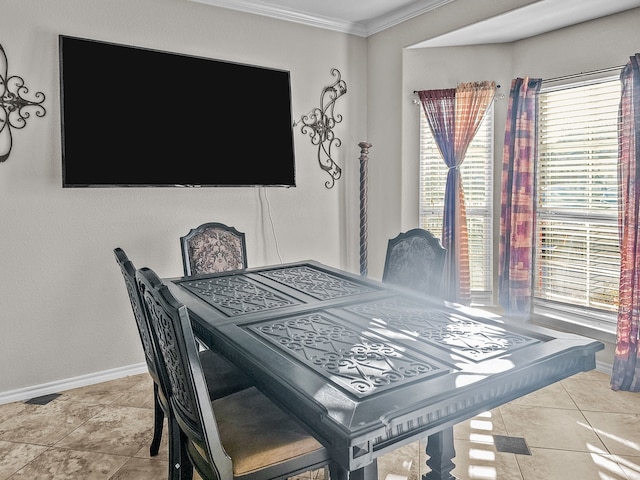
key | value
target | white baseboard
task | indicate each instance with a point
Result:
(604, 367)
(35, 391)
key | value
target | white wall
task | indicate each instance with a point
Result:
(65, 312)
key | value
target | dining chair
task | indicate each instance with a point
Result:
(415, 260)
(223, 377)
(213, 247)
(243, 436)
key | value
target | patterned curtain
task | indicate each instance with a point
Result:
(626, 366)
(454, 116)
(517, 209)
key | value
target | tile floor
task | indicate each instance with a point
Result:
(578, 428)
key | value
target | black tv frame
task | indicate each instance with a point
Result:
(138, 117)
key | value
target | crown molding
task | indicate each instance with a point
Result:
(272, 11)
(362, 29)
(401, 15)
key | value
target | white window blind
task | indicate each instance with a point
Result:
(477, 179)
(577, 262)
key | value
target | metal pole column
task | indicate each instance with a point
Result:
(364, 158)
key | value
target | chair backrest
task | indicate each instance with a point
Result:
(415, 259)
(213, 247)
(180, 368)
(129, 273)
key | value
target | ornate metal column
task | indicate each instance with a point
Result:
(364, 158)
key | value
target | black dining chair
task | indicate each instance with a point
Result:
(415, 260)
(213, 247)
(241, 436)
(223, 377)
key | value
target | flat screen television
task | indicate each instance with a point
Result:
(134, 116)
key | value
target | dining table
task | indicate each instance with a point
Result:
(367, 366)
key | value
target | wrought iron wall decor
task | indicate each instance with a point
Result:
(16, 108)
(319, 124)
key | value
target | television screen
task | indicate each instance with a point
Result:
(138, 117)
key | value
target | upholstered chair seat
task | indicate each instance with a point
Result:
(257, 435)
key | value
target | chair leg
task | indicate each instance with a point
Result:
(179, 463)
(157, 423)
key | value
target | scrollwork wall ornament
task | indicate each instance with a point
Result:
(319, 124)
(16, 107)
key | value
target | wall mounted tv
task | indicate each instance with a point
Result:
(133, 117)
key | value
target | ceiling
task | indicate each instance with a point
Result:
(366, 17)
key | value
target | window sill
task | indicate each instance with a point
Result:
(565, 322)
(604, 332)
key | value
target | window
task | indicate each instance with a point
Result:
(477, 179)
(577, 258)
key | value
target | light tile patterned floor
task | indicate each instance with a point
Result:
(577, 428)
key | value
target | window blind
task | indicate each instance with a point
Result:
(577, 247)
(477, 180)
